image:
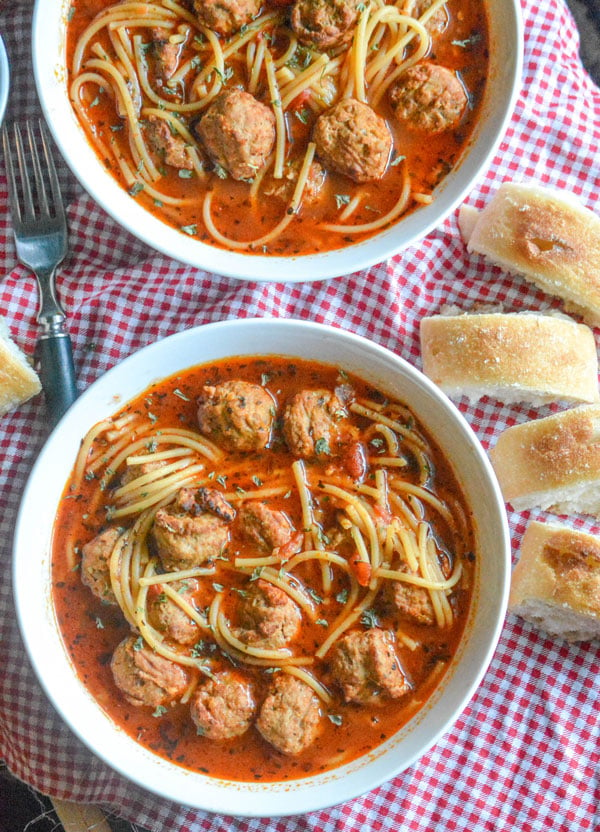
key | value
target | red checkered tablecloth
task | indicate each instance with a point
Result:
(524, 755)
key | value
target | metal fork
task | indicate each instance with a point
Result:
(41, 239)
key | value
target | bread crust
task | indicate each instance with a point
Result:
(556, 583)
(548, 237)
(552, 463)
(18, 380)
(514, 357)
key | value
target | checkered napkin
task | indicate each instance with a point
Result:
(524, 754)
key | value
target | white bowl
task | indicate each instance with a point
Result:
(32, 565)
(4, 80)
(506, 45)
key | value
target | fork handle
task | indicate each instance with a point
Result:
(54, 359)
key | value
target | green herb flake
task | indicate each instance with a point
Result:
(342, 596)
(159, 711)
(335, 718)
(222, 480)
(138, 643)
(218, 587)
(342, 199)
(136, 188)
(322, 447)
(257, 481)
(99, 624)
(369, 619)
(257, 573)
(322, 622)
(177, 392)
(191, 230)
(396, 160)
(184, 173)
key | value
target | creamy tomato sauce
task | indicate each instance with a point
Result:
(92, 629)
(248, 210)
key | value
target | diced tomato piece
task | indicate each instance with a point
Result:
(361, 569)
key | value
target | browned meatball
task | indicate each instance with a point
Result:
(290, 716)
(365, 666)
(324, 24)
(132, 472)
(168, 618)
(268, 617)
(313, 424)
(352, 139)
(265, 526)
(226, 16)
(165, 54)
(284, 188)
(169, 146)
(428, 97)
(144, 677)
(187, 536)
(417, 8)
(238, 132)
(236, 415)
(223, 707)
(409, 600)
(95, 557)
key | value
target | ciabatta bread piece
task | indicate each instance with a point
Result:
(545, 235)
(552, 463)
(556, 583)
(18, 380)
(515, 357)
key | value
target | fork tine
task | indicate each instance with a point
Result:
(57, 202)
(12, 182)
(37, 170)
(25, 190)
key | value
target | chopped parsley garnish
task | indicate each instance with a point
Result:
(257, 480)
(184, 173)
(222, 480)
(335, 718)
(190, 229)
(475, 38)
(322, 447)
(136, 188)
(159, 711)
(342, 596)
(177, 392)
(138, 643)
(369, 619)
(342, 199)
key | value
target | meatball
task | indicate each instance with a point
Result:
(428, 97)
(417, 8)
(290, 716)
(324, 24)
(409, 600)
(187, 536)
(284, 188)
(170, 146)
(237, 415)
(365, 666)
(144, 677)
(352, 139)
(238, 133)
(313, 424)
(226, 16)
(95, 558)
(132, 472)
(268, 617)
(223, 707)
(265, 526)
(165, 54)
(168, 618)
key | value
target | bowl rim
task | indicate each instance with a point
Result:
(4, 79)
(69, 697)
(50, 78)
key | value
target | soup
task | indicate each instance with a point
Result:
(278, 128)
(262, 568)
